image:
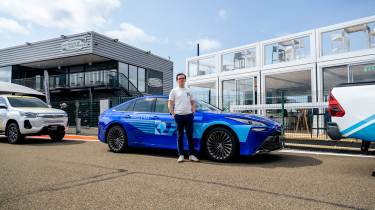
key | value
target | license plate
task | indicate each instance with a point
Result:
(54, 121)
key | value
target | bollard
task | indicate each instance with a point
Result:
(78, 126)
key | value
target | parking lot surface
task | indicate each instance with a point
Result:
(41, 174)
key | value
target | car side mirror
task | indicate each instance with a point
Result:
(3, 106)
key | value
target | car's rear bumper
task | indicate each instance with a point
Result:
(333, 131)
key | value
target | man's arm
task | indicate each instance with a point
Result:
(192, 102)
(171, 107)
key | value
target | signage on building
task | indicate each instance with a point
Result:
(155, 82)
(369, 68)
(74, 45)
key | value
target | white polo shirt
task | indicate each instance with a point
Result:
(182, 98)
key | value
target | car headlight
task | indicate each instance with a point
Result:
(249, 122)
(29, 114)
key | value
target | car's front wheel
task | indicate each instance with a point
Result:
(117, 139)
(57, 136)
(13, 133)
(220, 145)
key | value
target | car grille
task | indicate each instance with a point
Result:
(51, 115)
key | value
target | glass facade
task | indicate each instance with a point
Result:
(6, 74)
(204, 66)
(333, 76)
(133, 74)
(206, 92)
(348, 39)
(142, 80)
(123, 68)
(239, 60)
(239, 92)
(296, 87)
(289, 50)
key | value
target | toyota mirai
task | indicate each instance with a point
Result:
(146, 122)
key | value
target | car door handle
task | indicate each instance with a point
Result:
(154, 117)
(126, 116)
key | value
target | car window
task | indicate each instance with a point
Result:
(2, 100)
(126, 107)
(26, 102)
(161, 105)
(144, 105)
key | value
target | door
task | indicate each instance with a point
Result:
(143, 121)
(165, 125)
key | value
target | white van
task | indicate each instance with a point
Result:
(352, 108)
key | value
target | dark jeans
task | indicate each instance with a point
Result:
(184, 122)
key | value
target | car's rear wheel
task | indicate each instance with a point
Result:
(117, 139)
(220, 145)
(57, 136)
(13, 133)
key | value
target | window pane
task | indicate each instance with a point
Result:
(348, 39)
(363, 73)
(229, 94)
(289, 50)
(202, 66)
(142, 80)
(123, 68)
(127, 107)
(333, 76)
(6, 74)
(144, 105)
(245, 94)
(133, 75)
(205, 92)
(239, 60)
(161, 105)
(296, 87)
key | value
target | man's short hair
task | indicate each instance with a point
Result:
(179, 74)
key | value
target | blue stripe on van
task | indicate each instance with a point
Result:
(367, 133)
(360, 123)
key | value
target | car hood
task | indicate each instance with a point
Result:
(40, 110)
(253, 117)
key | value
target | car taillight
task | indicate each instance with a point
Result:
(334, 107)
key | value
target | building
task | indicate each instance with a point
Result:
(86, 66)
(302, 66)
(287, 78)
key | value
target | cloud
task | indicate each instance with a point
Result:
(9, 25)
(222, 13)
(73, 15)
(131, 34)
(205, 44)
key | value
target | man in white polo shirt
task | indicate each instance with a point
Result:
(182, 106)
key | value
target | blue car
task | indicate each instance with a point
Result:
(146, 122)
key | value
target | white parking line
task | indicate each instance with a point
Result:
(325, 153)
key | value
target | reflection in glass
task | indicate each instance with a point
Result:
(202, 66)
(239, 60)
(289, 50)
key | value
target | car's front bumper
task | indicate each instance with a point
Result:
(38, 125)
(272, 143)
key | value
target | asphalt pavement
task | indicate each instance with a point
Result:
(41, 174)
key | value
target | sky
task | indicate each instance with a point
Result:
(172, 28)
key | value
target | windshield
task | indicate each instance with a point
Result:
(26, 102)
(206, 107)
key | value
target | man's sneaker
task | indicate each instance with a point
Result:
(193, 158)
(180, 159)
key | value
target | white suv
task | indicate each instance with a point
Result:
(22, 116)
